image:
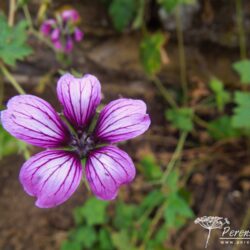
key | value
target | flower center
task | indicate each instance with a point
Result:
(82, 144)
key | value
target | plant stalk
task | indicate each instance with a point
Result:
(175, 157)
(182, 57)
(240, 24)
(12, 10)
(164, 92)
(11, 79)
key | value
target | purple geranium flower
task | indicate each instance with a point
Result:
(63, 30)
(54, 174)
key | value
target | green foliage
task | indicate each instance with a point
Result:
(170, 5)
(243, 69)
(105, 240)
(93, 211)
(13, 41)
(150, 201)
(222, 96)
(177, 210)
(149, 168)
(172, 181)
(241, 117)
(181, 118)
(84, 235)
(222, 128)
(9, 144)
(122, 13)
(128, 224)
(71, 245)
(21, 3)
(150, 53)
(124, 215)
(121, 240)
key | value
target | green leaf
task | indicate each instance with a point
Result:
(170, 5)
(13, 41)
(70, 245)
(149, 168)
(22, 3)
(150, 53)
(93, 211)
(243, 69)
(222, 96)
(85, 235)
(222, 128)
(241, 117)
(139, 19)
(177, 211)
(105, 240)
(121, 240)
(172, 181)
(153, 199)
(161, 234)
(9, 144)
(122, 13)
(181, 118)
(124, 215)
(143, 228)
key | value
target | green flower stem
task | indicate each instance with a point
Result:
(12, 10)
(242, 37)
(28, 16)
(164, 92)
(182, 58)
(153, 226)
(40, 37)
(11, 79)
(33, 31)
(176, 156)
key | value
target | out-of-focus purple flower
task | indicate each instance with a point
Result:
(53, 175)
(47, 26)
(69, 45)
(78, 35)
(72, 15)
(55, 35)
(63, 30)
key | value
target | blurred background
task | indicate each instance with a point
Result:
(188, 60)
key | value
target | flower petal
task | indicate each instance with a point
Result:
(34, 121)
(79, 98)
(58, 45)
(122, 119)
(55, 35)
(71, 14)
(69, 45)
(78, 34)
(108, 168)
(47, 26)
(52, 176)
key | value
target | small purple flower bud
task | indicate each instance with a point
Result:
(55, 35)
(69, 45)
(47, 26)
(78, 34)
(70, 15)
(57, 44)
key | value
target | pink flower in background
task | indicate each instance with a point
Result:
(63, 30)
(53, 175)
